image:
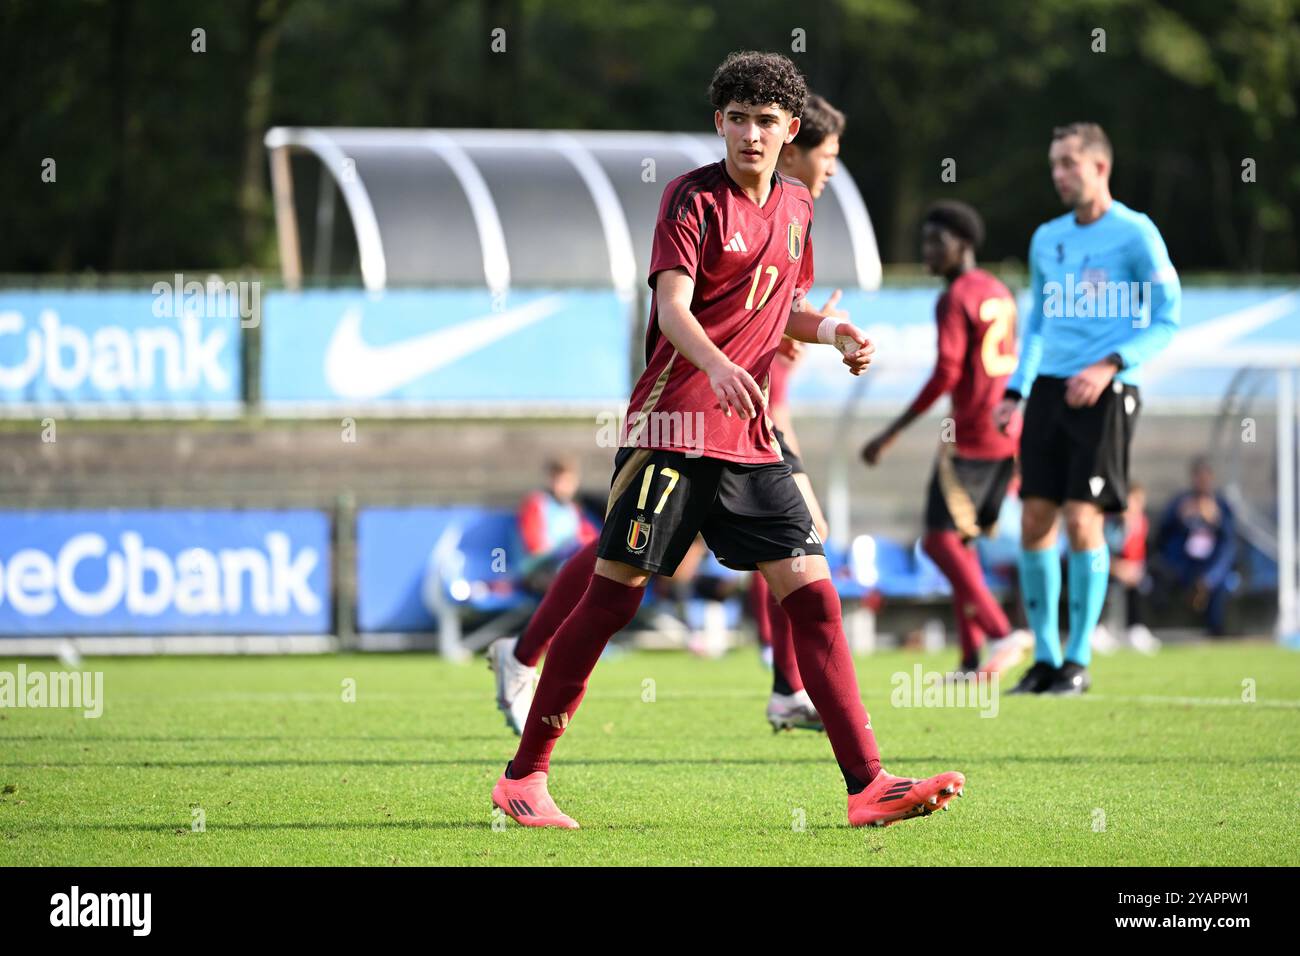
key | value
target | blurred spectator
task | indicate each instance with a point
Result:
(1195, 546)
(552, 525)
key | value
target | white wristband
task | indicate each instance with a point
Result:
(826, 331)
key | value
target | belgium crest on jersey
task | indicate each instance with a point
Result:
(794, 239)
(638, 535)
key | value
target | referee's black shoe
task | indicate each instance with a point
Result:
(1071, 680)
(1036, 680)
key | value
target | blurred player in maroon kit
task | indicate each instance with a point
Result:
(731, 264)
(810, 158)
(976, 317)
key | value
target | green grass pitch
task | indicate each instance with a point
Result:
(1164, 763)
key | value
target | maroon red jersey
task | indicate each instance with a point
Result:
(779, 381)
(977, 354)
(749, 264)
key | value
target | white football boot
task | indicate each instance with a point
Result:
(1141, 639)
(1006, 652)
(788, 711)
(515, 682)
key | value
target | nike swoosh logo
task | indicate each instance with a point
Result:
(354, 369)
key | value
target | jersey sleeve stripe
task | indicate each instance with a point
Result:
(690, 179)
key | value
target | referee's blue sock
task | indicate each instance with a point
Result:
(1040, 586)
(1089, 576)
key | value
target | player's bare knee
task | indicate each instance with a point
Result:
(1083, 525)
(625, 574)
(788, 575)
(1037, 523)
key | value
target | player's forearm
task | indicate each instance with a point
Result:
(684, 331)
(1031, 356)
(803, 323)
(903, 420)
(1148, 342)
(1031, 342)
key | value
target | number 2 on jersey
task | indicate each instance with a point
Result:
(753, 287)
(1001, 316)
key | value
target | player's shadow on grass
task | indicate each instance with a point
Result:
(67, 739)
(172, 828)
(739, 761)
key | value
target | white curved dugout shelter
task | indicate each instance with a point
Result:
(497, 208)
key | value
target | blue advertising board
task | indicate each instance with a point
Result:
(1221, 330)
(327, 351)
(394, 547)
(164, 572)
(114, 352)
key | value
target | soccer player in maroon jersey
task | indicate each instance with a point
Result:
(811, 157)
(976, 315)
(730, 266)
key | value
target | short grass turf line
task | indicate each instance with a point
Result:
(286, 772)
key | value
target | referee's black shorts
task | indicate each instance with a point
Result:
(1079, 454)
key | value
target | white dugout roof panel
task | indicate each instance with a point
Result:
(522, 207)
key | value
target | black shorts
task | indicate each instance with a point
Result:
(966, 494)
(660, 500)
(793, 460)
(1080, 454)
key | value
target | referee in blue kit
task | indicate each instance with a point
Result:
(1104, 301)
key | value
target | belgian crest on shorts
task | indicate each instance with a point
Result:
(794, 239)
(638, 535)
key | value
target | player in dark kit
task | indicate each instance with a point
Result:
(810, 158)
(730, 267)
(976, 315)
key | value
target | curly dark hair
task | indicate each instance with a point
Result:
(756, 78)
(959, 219)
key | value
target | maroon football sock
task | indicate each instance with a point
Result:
(603, 610)
(558, 601)
(972, 601)
(989, 616)
(785, 665)
(969, 635)
(827, 669)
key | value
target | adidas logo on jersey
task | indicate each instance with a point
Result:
(736, 244)
(813, 537)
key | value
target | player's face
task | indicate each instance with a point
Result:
(813, 167)
(1077, 173)
(755, 135)
(941, 251)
